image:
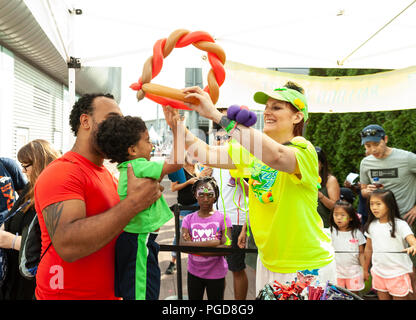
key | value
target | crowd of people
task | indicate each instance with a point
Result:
(376, 234)
(98, 234)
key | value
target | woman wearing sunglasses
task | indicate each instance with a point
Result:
(283, 171)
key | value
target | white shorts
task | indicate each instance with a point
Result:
(265, 276)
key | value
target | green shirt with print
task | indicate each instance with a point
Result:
(286, 225)
(158, 213)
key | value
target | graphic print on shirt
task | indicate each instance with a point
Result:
(384, 173)
(262, 180)
(205, 232)
(6, 190)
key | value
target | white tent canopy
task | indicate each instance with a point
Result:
(264, 34)
(154, 136)
(280, 33)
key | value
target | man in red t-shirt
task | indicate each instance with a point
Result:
(80, 213)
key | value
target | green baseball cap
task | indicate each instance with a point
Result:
(294, 97)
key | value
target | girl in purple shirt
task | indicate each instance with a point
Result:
(206, 228)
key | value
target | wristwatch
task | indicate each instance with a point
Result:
(224, 122)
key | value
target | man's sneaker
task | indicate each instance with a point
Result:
(171, 268)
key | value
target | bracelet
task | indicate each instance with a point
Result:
(231, 126)
(224, 122)
(14, 240)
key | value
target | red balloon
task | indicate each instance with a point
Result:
(215, 58)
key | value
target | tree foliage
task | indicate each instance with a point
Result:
(338, 134)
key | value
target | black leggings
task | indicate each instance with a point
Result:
(196, 287)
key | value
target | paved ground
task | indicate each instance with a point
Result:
(168, 286)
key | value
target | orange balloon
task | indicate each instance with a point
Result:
(162, 48)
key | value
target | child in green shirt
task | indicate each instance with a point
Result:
(125, 140)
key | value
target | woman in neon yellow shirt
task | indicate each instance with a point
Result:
(283, 171)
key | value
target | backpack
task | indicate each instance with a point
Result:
(3, 266)
(30, 249)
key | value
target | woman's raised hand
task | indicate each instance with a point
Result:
(205, 107)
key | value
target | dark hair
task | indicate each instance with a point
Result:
(216, 126)
(83, 106)
(347, 195)
(387, 196)
(324, 172)
(298, 129)
(116, 134)
(206, 180)
(354, 224)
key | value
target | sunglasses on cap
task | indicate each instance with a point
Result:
(371, 132)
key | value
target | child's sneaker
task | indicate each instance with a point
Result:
(231, 182)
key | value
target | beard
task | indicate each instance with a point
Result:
(93, 141)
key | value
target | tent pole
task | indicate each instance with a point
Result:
(71, 86)
(341, 63)
(73, 63)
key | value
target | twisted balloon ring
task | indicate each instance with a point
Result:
(162, 48)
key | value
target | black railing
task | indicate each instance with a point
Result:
(178, 249)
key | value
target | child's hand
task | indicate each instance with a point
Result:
(192, 180)
(206, 172)
(410, 250)
(187, 237)
(218, 234)
(172, 116)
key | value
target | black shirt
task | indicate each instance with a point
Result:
(185, 195)
(15, 286)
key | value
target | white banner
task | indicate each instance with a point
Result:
(392, 90)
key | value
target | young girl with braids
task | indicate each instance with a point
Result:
(389, 241)
(206, 228)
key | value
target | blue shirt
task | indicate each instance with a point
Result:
(11, 180)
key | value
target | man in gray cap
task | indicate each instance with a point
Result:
(389, 168)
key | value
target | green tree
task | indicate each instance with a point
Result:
(338, 134)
